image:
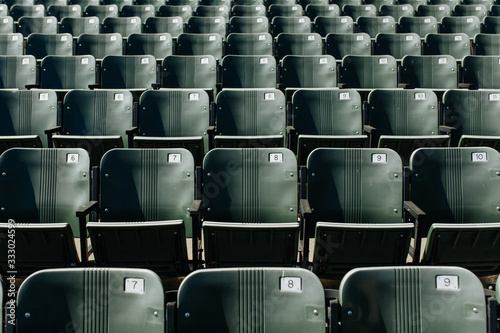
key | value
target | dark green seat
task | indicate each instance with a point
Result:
(314, 10)
(338, 25)
(357, 11)
(99, 45)
(207, 25)
(405, 120)
(487, 44)
(175, 118)
(478, 10)
(429, 72)
(397, 11)
(172, 25)
(284, 10)
(102, 300)
(369, 72)
(189, 72)
(325, 118)
(25, 115)
(45, 187)
(248, 71)
(469, 25)
(250, 118)
(155, 3)
(375, 25)
(17, 71)
(315, 71)
(60, 11)
(491, 25)
(457, 45)
(95, 120)
(250, 44)
(248, 10)
(128, 72)
(481, 72)
(421, 25)
(341, 44)
(356, 225)
(437, 10)
(298, 44)
(141, 11)
(253, 299)
(125, 26)
(248, 24)
(183, 11)
(212, 11)
(67, 72)
(18, 11)
(7, 25)
(143, 220)
(200, 44)
(77, 26)
(41, 45)
(101, 11)
(473, 116)
(11, 44)
(118, 3)
(250, 207)
(158, 45)
(456, 190)
(412, 299)
(43, 25)
(397, 45)
(290, 25)
(379, 3)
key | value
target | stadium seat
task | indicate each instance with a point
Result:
(491, 25)
(354, 225)
(369, 72)
(207, 25)
(397, 11)
(41, 45)
(16, 72)
(249, 10)
(397, 45)
(101, 11)
(155, 3)
(429, 72)
(42, 192)
(339, 25)
(478, 10)
(48, 3)
(480, 72)
(212, 11)
(487, 44)
(67, 72)
(143, 223)
(248, 24)
(175, 118)
(125, 26)
(469, 25)
(450, 3)
(11, 44)
(357, 11)
(183, 11)
(375, 25)
(159, 45)
(190, 72)
(200, 44)
(268, 3)
(421, 25)
(325, 10)
(472, 117)
(192, 3)
(99, 45)
(11, 3)
(247, 71)
(250, 118)
(457, 45)
(133, 72)
(83, 3)
(250, 44)
(420, 298)
(285, 10)
(142, 11)
(437, 11)
(234, 300)
(18, 11)
(6, 24)
(455, 189)
(43, 25)
(77, 26)
(173, 25)
(291, 25)
(250, 209)
(61, 11)
(378, 3)
(4, 10)
(325, 118)
(414, 3)
(96, 120)
(339, 45)
(118, 3)
(298, 44)
(316, 71)
(25, 116)
(495, 10)
(106, 299)
(405, 120)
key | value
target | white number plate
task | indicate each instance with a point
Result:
(135, 286)
(291, 284)
(447, 282)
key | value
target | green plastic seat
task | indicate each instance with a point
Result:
(18, 11)
(248, 24)
(45, 187)
(456, 188)
(421, 25)
(48, 3)
(314, 10)
(212, 11)
(250, 207)
(250, 44)
(200, 44)
(125, 26)
(450, 3)
(192, 3)
(379, 3)
(101, 11)
(405, 120)
(341, 44)
(487, 44)
(397, 45)
(43, 25)
(284, 10)
(473, 116)
(172, 25)
(142, 11)
(249, 10)
(417, 299)
(118, 3)
(338, 25)
(6, 24)
(369, 72)
(104, 300)
(17, 71)
(11, 3)
(183, 11)
(143, 222)
(481, 72)
(67, 72)
(248, 71)
(95, 120)
(25, 115)
(469, 25)
(41, 45)
(457, 45)
(11, 44)
(128, 72)
(158, 45)
(429, 72)
(155, 3)
(175, 118)
(290, 25)
(397, 11)
(354, 225)
(76, 26)
(326, 118)
(99, 45)
(83, 3)
(189, 72)
(375, 25)
(491, 25)
(357, 11)
(478, 10)
(207, 25)
(60, 11)
(317, 71)
(4, 10)
(298, 44)
(437, 10)
(236, 300)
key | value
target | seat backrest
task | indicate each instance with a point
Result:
(200, 44)
(298, 44)
(481, 71)
(189, 72)
(60, 11)
(45, 25)
(173, 25)
(183, 11)
(250, 44)
(356, 11)
(341, 44)
(478, 10)
(11, 43)
(456, 185)
(128, 72)
(99, 45)
(77, 26)
(17, 71)
(250, 185)
(212, 11)
(41, 45)
(290, 24)
(101, 11)
(232, 300)
(469, 25)
(18, 11)
(338, 25)
(487, 44)
(375, 25)
(249, 24)
(248, 71)
(207, 25)
(457, 45)
(44, 185)
(429, 71)
(142, 11)
(397, 11)
(25, 112)
(369, 71)
(125, 26)
(337, 188)
(438, 11)
(421, 25)
(114, 299)
(68, 72)
(309, 71)
(249, 10)
(406, 298)
(314, 10)
(6, 24)
(118, 3)
(398, 45)
(158, 45)
(491, 25)
(285, 10)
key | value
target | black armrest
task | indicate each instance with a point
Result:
(403, 85)
(413, 209)
(32, 86)
(131, 132)
(291, 132)
(333, 315)
(305, 213)
(94, 86)
(211, 130)
(305, 207)
(156, 86)
(465, 86)
(170, 317)
(447, 129)
(195, 212)
(418, 216)
(369, 129)
(341, 85)
(81, 214)
(86, 210)
(49, 132)
(195, 209)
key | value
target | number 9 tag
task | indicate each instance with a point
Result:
(447, 282)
